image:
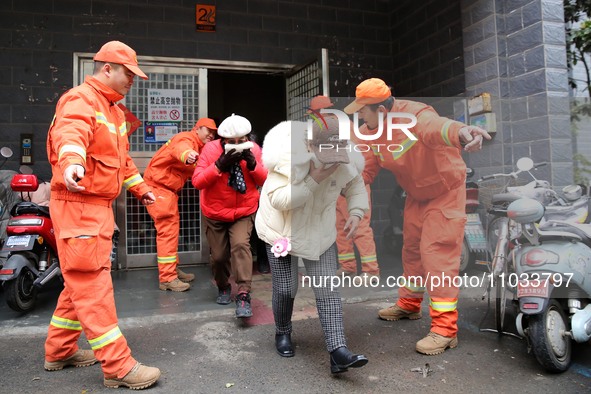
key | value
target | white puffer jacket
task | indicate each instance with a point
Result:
(292, 204)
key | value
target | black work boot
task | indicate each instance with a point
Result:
(243, 308)
(283, 345)
(341, 359)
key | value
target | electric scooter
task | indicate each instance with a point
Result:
(552, 275)
(32, 259)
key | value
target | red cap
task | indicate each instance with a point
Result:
(370, 91)
(207, 122)
(119, 53)
(319, 102)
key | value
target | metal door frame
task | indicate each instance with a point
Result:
(83, 66)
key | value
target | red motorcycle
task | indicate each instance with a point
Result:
(32, 260)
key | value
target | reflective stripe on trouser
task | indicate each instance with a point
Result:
(87, 301)
(229, 244)
(363, 240)
(165, 213)
(433, 235)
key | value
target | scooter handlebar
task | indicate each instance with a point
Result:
(484, 178)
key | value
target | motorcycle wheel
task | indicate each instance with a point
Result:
(492, 234)
(552, 348)
(500, 304)
(465, 257)
(20, 292)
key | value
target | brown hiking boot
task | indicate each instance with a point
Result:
(82, 358)
(174, 285)
(395, 312)
(140, 377)
(434, 344)
(185, 277)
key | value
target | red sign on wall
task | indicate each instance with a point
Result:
(205, 17)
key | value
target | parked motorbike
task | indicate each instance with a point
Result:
(552, 272)
(501, 229)
(32, 259)
(574, 207)
(474, 243)
(7, 197)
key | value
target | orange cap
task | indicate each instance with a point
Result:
(370, 91)
(120, 53)
(207, 122)
(319, 102)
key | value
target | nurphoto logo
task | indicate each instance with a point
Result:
(345, 130)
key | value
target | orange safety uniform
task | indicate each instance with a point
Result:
(364, 237)
(433, 174)
(89, 130)
(167, 174)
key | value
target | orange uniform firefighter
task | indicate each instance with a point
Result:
(423, 151)
(88, 147)
(166, 174)
(363, 238)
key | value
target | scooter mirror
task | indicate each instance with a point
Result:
(6, 152)
(525, 164)
(25, 170)
(469, 172)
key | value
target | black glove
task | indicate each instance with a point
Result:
(226, 160)
(251, 161)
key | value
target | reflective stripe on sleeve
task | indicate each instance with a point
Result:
(132, 181)
(72, 149)
(445, 133)
(184, 156)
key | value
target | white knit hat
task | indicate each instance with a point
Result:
(234, 126)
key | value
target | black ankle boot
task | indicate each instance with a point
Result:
(341, 359)
(283, 345)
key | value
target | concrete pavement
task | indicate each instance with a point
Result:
(202, 348)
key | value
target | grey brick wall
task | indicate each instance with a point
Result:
(37, 39)
(515, 50)
(427, 48)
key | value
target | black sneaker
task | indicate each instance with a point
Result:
(243, 308)
(224, 295)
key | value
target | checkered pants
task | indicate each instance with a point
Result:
(284, 271)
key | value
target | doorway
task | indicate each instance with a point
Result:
(260, 98)
(263, 93)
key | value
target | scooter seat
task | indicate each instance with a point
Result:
(26, 207)
(502, 198)
(581, 230)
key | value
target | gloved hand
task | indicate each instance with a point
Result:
(251, 161)
(225, 161)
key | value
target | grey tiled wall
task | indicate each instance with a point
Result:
(515, 50)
